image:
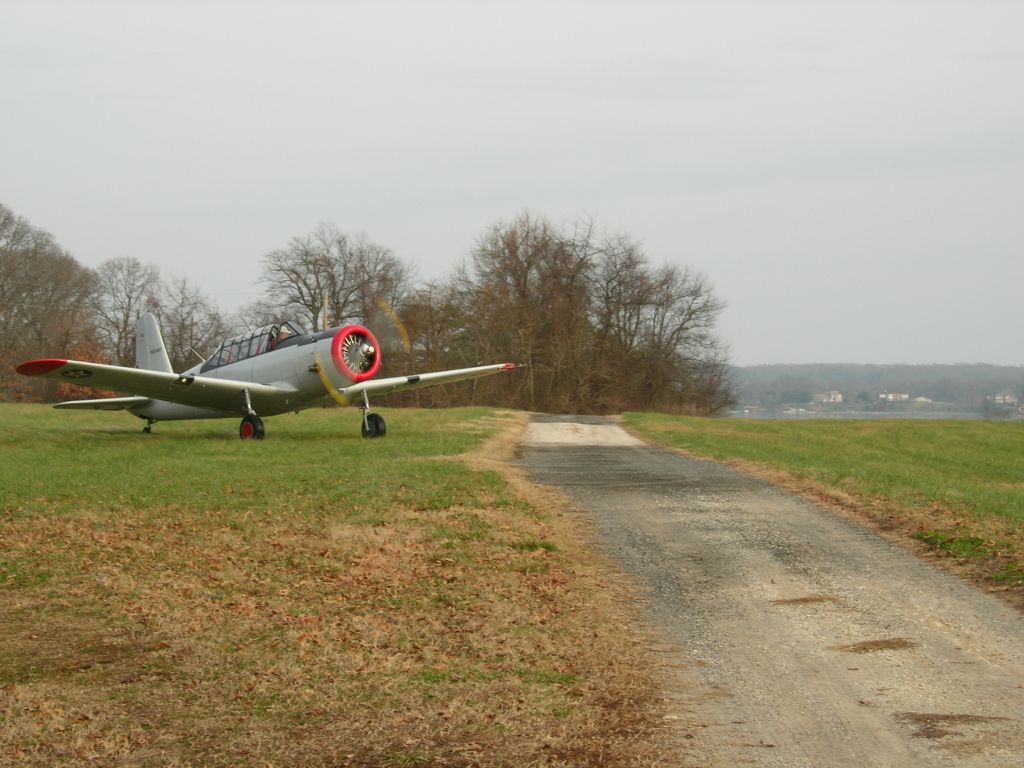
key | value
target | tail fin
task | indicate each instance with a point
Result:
(150, 353)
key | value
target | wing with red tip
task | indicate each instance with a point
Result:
(204, 392)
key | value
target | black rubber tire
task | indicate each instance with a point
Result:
(251, 428)
(374, 426)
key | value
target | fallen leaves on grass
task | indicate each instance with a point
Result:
(477, 635)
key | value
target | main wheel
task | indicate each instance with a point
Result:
(251, 428)
(374, 426)
(380, 427)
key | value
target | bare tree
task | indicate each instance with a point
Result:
(599, 329)
(505, 293)
(353, 274)
(621, 294)
(299, 276)
(190, 322)
(676, 338)
(381, 278)
(125, 288)
(623, 289)
(433, 322)
(44, 301)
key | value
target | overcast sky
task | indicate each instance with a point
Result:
(848, 175)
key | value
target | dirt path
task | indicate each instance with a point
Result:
(810, 641)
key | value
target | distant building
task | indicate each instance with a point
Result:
(1005, 399)
(894, 397)
(832, 396)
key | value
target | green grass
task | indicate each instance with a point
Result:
(973, 468)
(189, 598)
(965, 547)
(101, 463)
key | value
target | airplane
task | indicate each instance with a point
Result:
(275, 369)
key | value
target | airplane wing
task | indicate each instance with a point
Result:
(396, 383)
(203, 392)
(105, 404)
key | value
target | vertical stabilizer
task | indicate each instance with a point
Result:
(150, 353)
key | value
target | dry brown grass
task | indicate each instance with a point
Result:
(484, 635)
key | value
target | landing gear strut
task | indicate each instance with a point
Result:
(373, 423)
(149, 426)
(251, 427)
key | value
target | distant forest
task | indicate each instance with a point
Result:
(963, 385)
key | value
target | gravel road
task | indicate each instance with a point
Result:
(804, 639)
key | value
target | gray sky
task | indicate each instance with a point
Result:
(849, 175)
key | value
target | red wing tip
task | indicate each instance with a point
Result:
(39, 367)
(509, 366)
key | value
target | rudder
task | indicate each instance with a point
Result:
(150, 352)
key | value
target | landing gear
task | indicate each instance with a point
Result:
(373, 425)
(148, 429)
(251, 428)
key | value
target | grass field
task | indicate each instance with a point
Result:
(187, 598)
(957, 486)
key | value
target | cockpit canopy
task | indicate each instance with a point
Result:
(253, 343)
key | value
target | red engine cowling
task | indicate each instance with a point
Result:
(356, 353)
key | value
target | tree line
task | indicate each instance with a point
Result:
(598, 327)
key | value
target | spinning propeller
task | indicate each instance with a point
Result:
(355, 357)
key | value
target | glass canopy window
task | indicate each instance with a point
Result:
(252, 343)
